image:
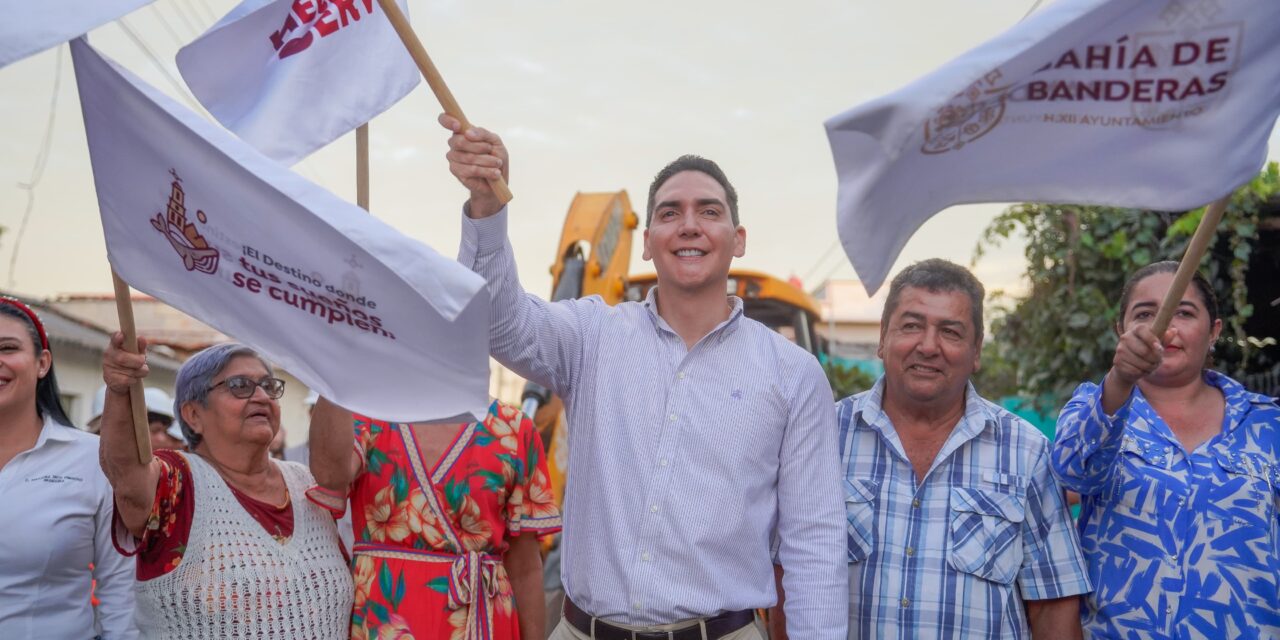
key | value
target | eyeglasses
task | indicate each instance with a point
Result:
(243, 386)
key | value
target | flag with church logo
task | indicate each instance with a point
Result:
(376, 321)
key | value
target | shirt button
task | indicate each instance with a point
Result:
(645, 556)
(673, 417)
(905, 603)
(680, 375)
(915, 504)
(911, 551)
(662, 462)
(636, 605)
(653, 508)
(1168, 609)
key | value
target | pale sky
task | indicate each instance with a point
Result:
(589, 95)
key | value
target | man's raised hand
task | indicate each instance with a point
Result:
(476, 156)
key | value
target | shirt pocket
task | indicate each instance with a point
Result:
(986, 534)
(1134, 491)
(860, 511)
(1249, 488)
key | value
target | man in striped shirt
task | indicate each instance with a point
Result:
(695, 431)
(956, 527)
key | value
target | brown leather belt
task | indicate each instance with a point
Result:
(717, 627)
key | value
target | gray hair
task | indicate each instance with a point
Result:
(937, 276)
(196, 376)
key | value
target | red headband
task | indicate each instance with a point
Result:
(44, 339)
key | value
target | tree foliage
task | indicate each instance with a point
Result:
(847, 380)
(1060, 332)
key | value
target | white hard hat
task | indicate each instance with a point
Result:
(99, 401)
(158, 402)
(175, 432)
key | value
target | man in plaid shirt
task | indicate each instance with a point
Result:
(956, 525)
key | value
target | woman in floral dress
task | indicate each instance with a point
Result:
(446, 520)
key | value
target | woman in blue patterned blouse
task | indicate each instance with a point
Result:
(1177, 466)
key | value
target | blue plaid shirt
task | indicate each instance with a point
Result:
(955, 556)
(1180, 544)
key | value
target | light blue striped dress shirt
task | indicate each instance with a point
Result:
(955, 556)
(682, 462)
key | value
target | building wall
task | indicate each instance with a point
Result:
(295, 416)
(80, 375)
(504, 384)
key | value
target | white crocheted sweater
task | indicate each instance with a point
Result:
(237, 581)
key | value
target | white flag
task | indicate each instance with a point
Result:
(290, 76)
(28, 27)
(1158, 104)
(375, 321)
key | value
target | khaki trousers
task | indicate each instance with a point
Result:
(565, 631)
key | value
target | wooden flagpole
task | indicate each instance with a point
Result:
(362, 166)
(137, 400)
(1205, 233)
(434, 79)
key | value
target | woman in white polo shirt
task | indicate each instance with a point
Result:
(55, 503)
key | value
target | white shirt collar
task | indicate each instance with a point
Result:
(54, 431)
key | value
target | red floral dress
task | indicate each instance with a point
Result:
(430, 540)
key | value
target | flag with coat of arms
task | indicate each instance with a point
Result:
(1159, 104)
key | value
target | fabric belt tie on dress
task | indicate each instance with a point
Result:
(473, 581)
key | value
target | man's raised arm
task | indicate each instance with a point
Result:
(538, 340)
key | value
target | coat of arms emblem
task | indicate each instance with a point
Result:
(971, 114)
(182, 234)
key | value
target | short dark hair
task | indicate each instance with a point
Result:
(689, 162)
(1167, 266)
(937, 275)
(48, 398)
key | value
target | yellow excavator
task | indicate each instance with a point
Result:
(592, 259)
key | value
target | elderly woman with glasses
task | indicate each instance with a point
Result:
(227, 544)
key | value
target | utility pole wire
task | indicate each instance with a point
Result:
(155, 60)
(164, 22)
(213, 17)
(37, 171)
(1030, 11)
(197, 16)
(818, 263)
(182, 15)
